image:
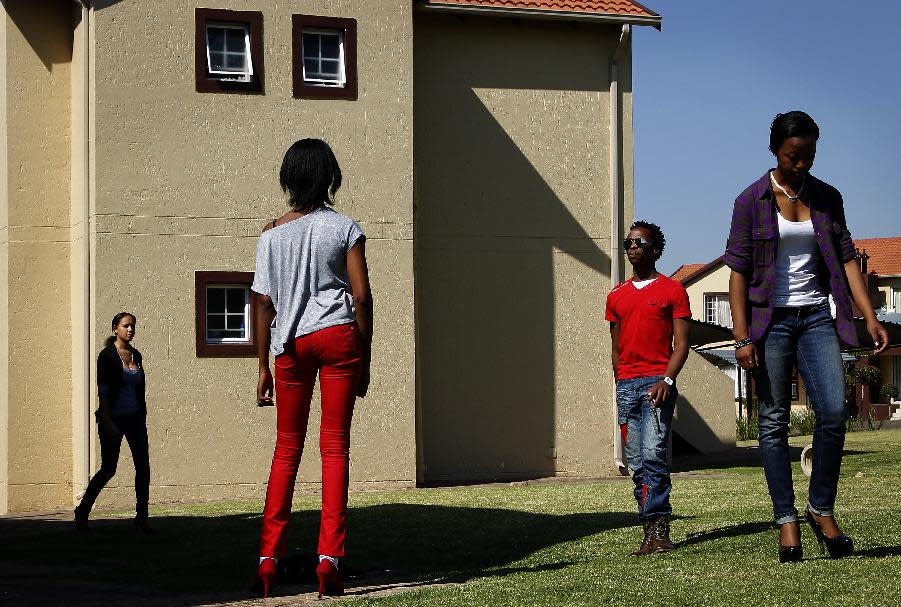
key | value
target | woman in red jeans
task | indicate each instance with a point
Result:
(311, 280)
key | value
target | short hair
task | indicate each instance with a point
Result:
(310, 175)
(791, 124)
(656, 234)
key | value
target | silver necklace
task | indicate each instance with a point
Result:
(122, 358)
(787, 195)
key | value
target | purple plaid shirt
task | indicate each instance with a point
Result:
(751, 250)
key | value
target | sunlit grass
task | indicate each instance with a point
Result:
(557, 544)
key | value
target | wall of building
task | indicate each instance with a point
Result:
(888, 288)
(184, 182)
(716, 281)
(511, 159)
(35, 422)
(705, 411)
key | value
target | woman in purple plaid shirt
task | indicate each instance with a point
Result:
(789, 249)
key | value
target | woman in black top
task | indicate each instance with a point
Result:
(122, 411)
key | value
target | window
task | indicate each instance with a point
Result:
(224, 314)
(228, 51)
(896, 300)
(716, 309)
(324, 57)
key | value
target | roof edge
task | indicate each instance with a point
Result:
(701, 271)
(655, 21)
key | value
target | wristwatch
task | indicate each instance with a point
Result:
(669, 380)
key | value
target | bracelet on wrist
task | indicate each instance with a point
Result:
(741, 343)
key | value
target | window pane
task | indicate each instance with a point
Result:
(214, 322)
(217, 61)
(330, 46)
(330, 68)
(234, 62)
(236, 300)
(235, 39)
(235, 322)
(215, 299)
(215, 37)
(225, 334)
(311, 68)
(310, 45)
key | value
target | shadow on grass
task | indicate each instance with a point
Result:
(719, 533)
(739, 457)
(879, 552)
(201, 560)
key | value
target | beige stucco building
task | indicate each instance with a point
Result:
(487, 154)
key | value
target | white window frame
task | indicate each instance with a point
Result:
(239, 76)
(714, 299)
(246, 314)
(342, 63)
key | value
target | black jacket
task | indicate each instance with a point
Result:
(109, 373)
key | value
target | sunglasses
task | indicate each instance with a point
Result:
(642, 243)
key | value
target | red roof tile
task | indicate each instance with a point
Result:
(606, 7)
(685, 270)
(885, 254)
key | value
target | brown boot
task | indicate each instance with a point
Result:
(658, 537)
(645, 544)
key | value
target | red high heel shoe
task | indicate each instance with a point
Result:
(329, 579)
(267, 572)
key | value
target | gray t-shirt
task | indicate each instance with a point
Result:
(302, 266)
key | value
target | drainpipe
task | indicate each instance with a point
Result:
(616, 209)
(86, 234)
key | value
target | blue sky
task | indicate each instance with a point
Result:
(707, 87)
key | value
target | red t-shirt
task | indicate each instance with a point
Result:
(646, 324)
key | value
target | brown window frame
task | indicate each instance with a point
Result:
(204, 81)
(302, 90)
(204, 349)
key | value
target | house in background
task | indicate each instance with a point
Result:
(883, 275)
(139, 151)
(880, 258)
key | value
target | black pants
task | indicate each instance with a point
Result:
(134, 427)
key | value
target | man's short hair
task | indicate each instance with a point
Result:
(656, 234)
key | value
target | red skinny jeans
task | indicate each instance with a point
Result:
(336, 353)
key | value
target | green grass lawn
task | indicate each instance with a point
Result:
(558, 544)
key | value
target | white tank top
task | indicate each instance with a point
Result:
(797, 262)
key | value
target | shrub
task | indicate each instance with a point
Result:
(801, 423)
(850, 382)
(868, 374)
(747, 428)
(888, 393)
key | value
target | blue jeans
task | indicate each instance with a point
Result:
(647, 434)
(805, 335)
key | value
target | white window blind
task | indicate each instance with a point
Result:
(717, 310)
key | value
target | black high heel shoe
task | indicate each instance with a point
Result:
(790, 554)
(838, 546)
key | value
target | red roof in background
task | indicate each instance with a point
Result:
(686, 270)
(885, 254)
(607, 7)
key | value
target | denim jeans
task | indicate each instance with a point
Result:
(805, 335)
(647, 434)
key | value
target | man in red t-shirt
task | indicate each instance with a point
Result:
(648, 317)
